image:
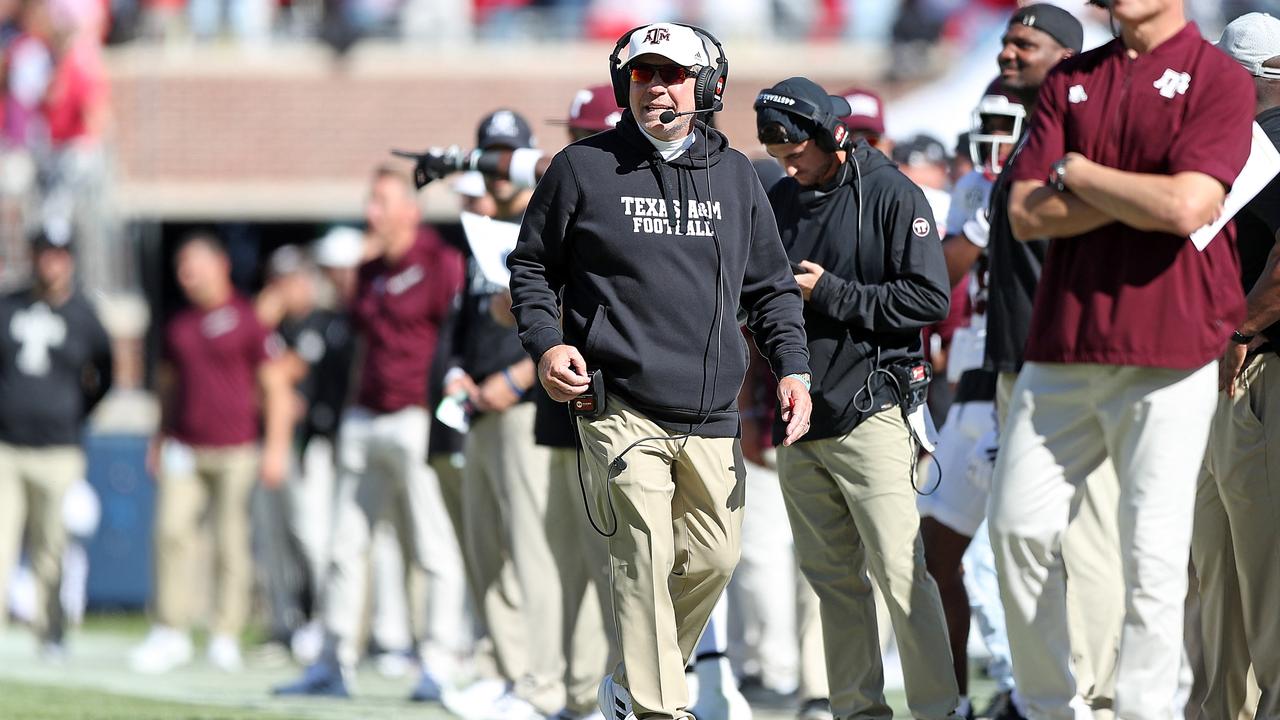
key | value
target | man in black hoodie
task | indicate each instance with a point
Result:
(654, 234)
(872, 274)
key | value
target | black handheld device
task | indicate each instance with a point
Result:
(912, 378)
(797, 270)
(590, 404)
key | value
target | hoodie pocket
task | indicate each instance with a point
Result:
(598, 321)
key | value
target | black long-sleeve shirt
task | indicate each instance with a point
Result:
(55, 366)
(885, 279)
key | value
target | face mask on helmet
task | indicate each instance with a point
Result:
(995, 128)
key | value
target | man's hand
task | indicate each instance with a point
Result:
(809, 278)
(563, 372)
(275, 466)
(460, 382)
(495, 394)
(1232, 366)
(796, 407)
(500, 309)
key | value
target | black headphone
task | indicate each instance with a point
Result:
(831, 132)
(708, 87)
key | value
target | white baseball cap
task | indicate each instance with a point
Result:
(676, 43)
(341, 247)
(1251, 40)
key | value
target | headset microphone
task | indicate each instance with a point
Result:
(669, 115)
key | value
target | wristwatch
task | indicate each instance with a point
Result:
(1240, 338)
(805, 379)
(1058, 175)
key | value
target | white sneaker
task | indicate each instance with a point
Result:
(614, 700)
(510, 706)
(392, 665)
(718, 696)
(224, 653)
(163, 650)
(307, 642)
(474, 700)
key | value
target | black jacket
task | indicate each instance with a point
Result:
(635, 245)
(885, 279)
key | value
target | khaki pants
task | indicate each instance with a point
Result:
(678, 506)
(384, 476)
(1095, 576)
(582, 558)
(1236, 545)
(853, 513)
(33, 482)
(513, 574)
(194, 481)
(1064, 422)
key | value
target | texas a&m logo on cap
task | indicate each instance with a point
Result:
(920, 227)
(656, 35)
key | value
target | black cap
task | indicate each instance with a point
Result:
(1052, 20)
(796, 124)
(54, 238)
(920, 150)
(504, 128)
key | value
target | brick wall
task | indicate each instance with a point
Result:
(290, 133)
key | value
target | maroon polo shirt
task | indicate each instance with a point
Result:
(215, 355)
(1122, 296)
(399, 309)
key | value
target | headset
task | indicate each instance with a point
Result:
(708, 87)
(832, 134)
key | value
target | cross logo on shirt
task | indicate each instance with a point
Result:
(36, 329)
(1172, 82)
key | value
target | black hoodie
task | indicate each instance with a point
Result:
(635, 244)
(885, 280)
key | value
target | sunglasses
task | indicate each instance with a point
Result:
(642, 73)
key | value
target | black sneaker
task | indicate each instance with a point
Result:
(1002, 708)
(815, 709)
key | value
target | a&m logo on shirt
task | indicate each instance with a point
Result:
(1172, 82)
(36, 329)
(1077, 95)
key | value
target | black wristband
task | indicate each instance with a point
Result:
(1240, 338)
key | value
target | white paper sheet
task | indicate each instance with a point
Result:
(1262, 166)
(491, 242)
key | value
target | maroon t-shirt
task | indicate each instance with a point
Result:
(215, 355)
(399, 309)
(1122, 296)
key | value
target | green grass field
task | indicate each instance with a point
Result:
(95, 683)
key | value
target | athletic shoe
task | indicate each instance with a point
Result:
(718, 695)
(163, 650)
(321, 679)
(614, 700)
(474, 700)
(815, 709)
(760, 695)
(307, 642)
(392, 665)
(53, 652)
(224, 653)
(428, 688)
(1002, 707)
(510, 706)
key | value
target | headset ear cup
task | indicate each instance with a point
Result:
(621, 86)
(840, 135)
(703, 89)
